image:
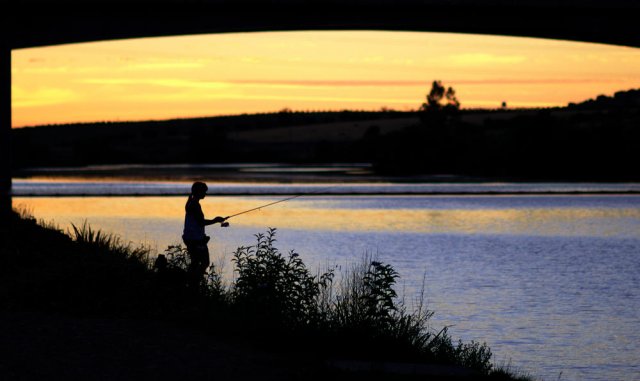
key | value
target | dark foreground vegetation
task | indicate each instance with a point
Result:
(596, 140)
(154, 322)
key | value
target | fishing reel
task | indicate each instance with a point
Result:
(224, 224)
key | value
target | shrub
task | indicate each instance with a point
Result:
(173, 271)
(274, 287)
(360, 315)
(177, 258)
(365, 298)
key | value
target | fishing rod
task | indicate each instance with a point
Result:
(264, 206)
(226, 224)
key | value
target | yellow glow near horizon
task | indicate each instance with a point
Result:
(295, 215)
(224, 74)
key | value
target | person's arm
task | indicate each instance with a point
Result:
(195, 210)
(217, 220)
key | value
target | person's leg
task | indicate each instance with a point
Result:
(203, 258)
(199, 260)
(192, 270)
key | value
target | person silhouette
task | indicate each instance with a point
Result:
(193, 234)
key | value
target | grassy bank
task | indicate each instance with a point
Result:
(350, 319)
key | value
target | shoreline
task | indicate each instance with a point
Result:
(276, 173)
(341, 194)
(120, 187)
(235, 183)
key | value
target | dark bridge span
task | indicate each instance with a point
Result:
(46, 22)
(32, 23)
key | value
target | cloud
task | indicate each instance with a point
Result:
(325, 83)
(225, 88)
(412, 83)
(43, 96)
(163, 82)
(484, 59)
(43, 70)
(163, 66)
(531, 81)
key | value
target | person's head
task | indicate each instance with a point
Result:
(199, 189)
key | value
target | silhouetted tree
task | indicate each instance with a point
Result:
(441, 107)
(440, 98)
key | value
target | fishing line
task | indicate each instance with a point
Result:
(279, 201)
(264, 206)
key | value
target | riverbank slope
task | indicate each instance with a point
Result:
(76, 309)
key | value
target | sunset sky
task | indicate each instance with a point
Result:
(225, 74)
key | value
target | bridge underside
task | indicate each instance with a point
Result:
(39, 22)
(46, 23)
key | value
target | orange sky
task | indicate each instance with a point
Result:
(206, 75)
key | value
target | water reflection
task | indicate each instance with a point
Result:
(426, 215)
(550, 282)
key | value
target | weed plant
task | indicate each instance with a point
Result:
(274, 288)
(352, 314)
(355, 315)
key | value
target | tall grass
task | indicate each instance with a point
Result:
(25, 213)
(108, 243)
(366, 309)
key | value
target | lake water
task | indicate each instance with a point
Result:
(551, 282)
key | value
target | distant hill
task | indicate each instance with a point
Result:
(594, 140)
(629, 99)
(242, 138)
